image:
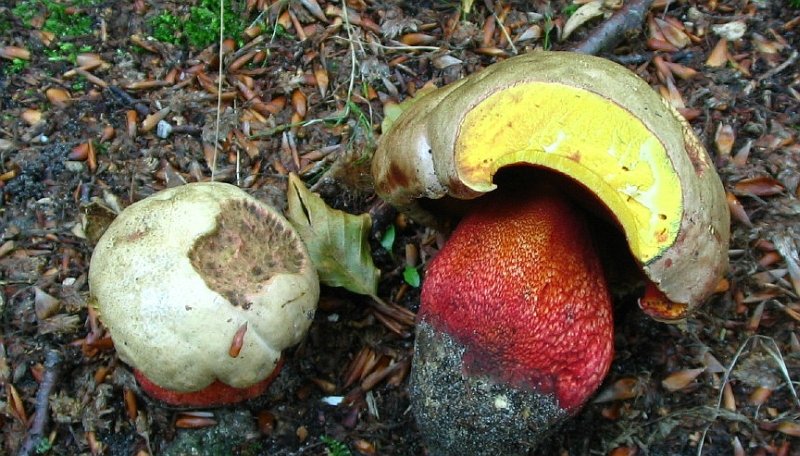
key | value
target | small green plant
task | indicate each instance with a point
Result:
(66, 52)
(335, 447)
(16, 66)
(570, 9)
(794, 3)
(43, 446)
(547, 40)
(78, 84)
(411, 276)
(387, 240)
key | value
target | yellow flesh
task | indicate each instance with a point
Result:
(586, 137)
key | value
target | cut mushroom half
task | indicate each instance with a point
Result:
(514, 331)
(589, 119)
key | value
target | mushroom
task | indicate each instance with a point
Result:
(201, 287)
(536, 155)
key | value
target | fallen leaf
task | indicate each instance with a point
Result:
(790, 428)
(674, 35)
(336, 240)
(737, 210)
(759, 186)
(681, 379)
(624, 388)
(719, 55)
(724, 139)
(584, 14)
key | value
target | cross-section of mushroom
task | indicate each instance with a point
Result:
(533, 155)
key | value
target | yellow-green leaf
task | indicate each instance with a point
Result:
(336, 240)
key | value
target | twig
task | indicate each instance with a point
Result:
(52, 361)
(505, 33)
(612, 31)
(780, 67)
(219, 95)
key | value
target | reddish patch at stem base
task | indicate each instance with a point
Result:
(216, 394)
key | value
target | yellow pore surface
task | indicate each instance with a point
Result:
(587, 137)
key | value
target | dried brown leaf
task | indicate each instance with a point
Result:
(681, 379)
(624, 388)
(724, 139)
(728, 400)
(791, 428)
(153, 119)
(58, 97)
(238, 341)
(192, 422)
(719, 55)
(759, 186)
(14, 52)
(321, 76)
(741, 156)
(583, 15)
(45, 305)
(417, 39)
(661, 45)
(760, 395)
(672, 33)
(31, 116)
(737, 210)
(299, 103)
(681, 71)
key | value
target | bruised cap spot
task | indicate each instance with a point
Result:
(248, 247)
(397, 177)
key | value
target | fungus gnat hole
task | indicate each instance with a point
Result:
(247, 248)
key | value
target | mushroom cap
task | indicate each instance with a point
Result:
(584, 117)
(178, 274)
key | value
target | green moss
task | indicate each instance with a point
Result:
(58, 20)
(335, 447)
(25, 11)
(201, 27)
(15, 66)
(166, 28)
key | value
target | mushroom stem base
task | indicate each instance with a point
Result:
(217, 394)
(461, 414)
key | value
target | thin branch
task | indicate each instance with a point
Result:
(219, 86)
(38, 429)
(612, 31)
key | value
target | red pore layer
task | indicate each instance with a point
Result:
(216, 394)
(520, 286)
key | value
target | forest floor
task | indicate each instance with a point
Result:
(84, 84)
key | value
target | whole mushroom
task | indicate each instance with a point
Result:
(515, 331)
(201, 287)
